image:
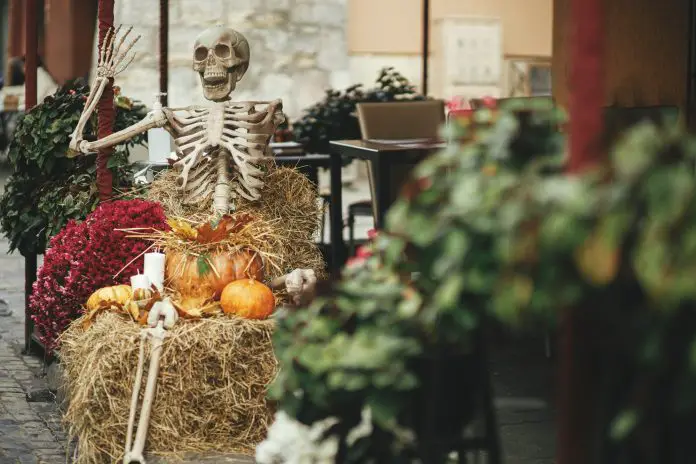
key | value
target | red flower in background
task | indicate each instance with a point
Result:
(363, 252)
(84, 257)
(489, 102)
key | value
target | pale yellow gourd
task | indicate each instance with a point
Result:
(118, 294)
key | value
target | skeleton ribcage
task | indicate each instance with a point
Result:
(231, 131)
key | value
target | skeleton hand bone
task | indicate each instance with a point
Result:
(300, 285)
(163, 310)
(112, 54)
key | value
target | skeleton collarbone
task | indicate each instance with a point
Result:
(211, 136)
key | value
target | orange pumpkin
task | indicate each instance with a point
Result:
(248, 298)
(193, 276)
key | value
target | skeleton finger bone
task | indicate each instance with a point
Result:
(116, 49)
(109, 46)
(106, 44)
(124, 65)
(120, 64)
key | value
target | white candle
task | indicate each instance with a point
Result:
(140, 281)
(154, 269)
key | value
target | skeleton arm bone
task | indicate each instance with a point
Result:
(152, 120)
(95, 94)
(113, 59)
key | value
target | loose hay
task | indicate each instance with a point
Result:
(211, 393)
(289, 202)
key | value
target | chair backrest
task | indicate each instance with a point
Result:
(420, 119)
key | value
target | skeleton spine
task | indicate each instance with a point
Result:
(221, 196)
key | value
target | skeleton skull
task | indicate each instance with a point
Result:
(220, 57)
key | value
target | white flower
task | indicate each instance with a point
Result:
(291, 442)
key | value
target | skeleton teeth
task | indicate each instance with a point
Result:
(216, 87)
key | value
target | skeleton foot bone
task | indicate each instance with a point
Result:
(162, 316)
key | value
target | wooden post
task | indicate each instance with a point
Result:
(105, 107)
(426, 46)
(31, 43)
(578, 420)
(164, 50)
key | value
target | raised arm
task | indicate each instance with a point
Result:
(112, 61)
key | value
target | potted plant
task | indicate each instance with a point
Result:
(46, 188)
(334, 118)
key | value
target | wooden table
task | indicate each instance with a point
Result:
(381, 155)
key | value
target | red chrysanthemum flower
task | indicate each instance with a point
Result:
(86, 256)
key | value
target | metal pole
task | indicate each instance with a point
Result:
(579, 344)
(425, 52)
(31, 43)
(163, 50)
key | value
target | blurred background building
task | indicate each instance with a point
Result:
(302, 47)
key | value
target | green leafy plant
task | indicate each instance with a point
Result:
(496, 230)
(334, 118)
(46, 188)
(366, 343)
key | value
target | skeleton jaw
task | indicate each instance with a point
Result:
(217, 87)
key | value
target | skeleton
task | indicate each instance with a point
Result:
(220, 149)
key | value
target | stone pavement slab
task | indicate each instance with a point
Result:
(29, 432)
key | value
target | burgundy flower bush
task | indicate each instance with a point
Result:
(86, 256)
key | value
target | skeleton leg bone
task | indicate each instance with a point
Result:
(165, 316)
(136, 390)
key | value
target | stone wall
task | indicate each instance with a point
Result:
(298, 48)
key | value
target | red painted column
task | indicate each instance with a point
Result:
(587, 92)
(105, 108)
(31, 41)
(577, 428)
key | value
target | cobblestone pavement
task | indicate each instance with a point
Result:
(30, 431)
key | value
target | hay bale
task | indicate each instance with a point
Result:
(289, 201)
(211, 393)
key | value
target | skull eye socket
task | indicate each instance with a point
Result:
(222, 51)
(201, 53)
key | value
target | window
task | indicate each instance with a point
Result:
(528, 77)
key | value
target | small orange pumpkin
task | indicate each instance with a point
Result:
(248, 298)
(118, 294)
(193, 276)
